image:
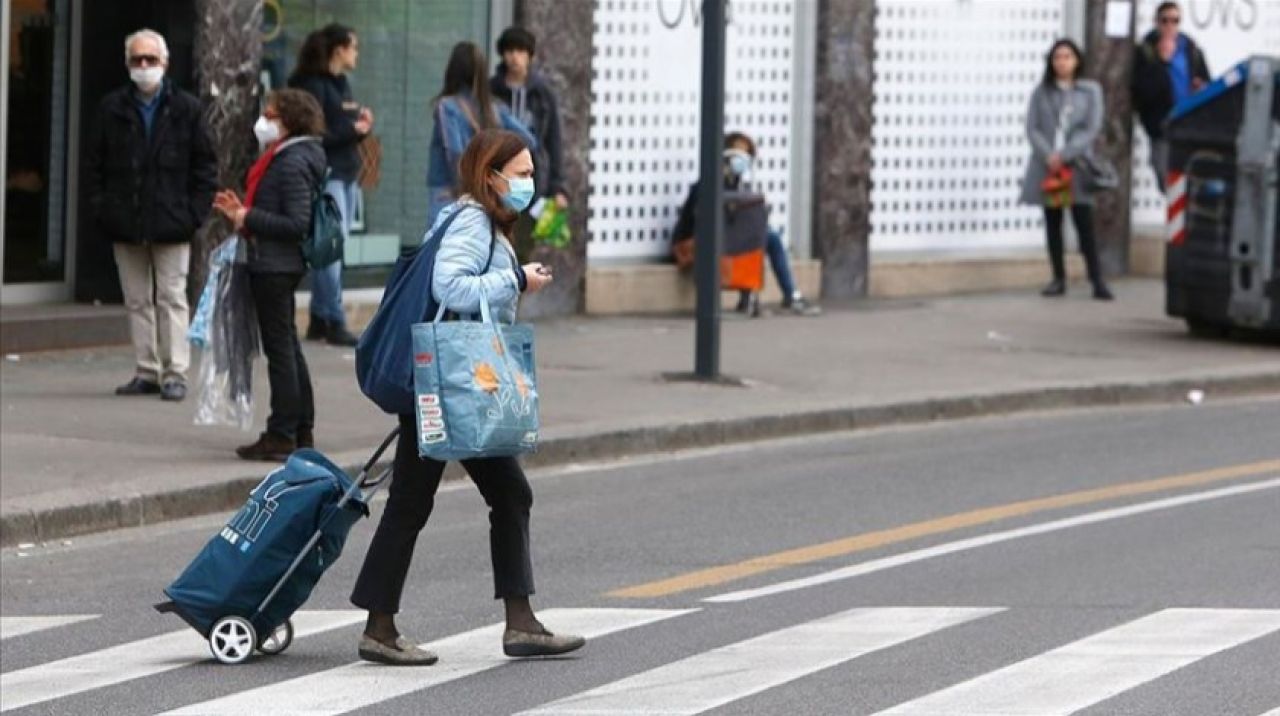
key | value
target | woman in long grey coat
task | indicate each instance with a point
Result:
(1064, 118)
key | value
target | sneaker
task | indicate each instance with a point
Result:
(1102, 293)
(543, 643)
(800, 306)
(317, 329)
(402, 653)
(174, 391)
(269, 447)
(139, 386)
(338, 335)
(1056, 287)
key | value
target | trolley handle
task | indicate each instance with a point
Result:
(386, 442)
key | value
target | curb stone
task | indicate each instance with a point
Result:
(144, 509)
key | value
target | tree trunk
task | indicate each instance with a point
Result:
(564, 31)
(1110, 61)
(842, 145)
(228, 55)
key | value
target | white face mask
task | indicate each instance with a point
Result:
(146, 78)
(266, 130)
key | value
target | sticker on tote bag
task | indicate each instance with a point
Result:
(432, 438)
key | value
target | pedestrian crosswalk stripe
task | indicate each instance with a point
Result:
(1273, 712)
(733, 672)
(18, 626)
(134, 660)
(964, 545)
(359, 685)
(1098, 667)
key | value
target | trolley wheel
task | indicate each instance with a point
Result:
(232, 639)
(278, 640)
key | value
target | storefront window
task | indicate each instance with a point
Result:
(404, 45)
(35, 148)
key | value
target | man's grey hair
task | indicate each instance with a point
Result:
(150, 35)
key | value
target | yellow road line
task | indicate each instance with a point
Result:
(871, 540)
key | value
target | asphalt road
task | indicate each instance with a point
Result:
(1108, 562)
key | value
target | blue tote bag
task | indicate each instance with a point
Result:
(384, 355)
(475, 388)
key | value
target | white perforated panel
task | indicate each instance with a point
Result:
(1228, 31)
(952, 83)
(645, 109)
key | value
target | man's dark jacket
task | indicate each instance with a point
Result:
(341, 140)
(280, 217)
(543, 120)
(1151, 88)
(157, 189)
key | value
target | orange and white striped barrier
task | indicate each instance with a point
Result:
(1176, 216)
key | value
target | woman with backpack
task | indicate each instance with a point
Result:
(274, 219)
(463, 108)
(475, 257)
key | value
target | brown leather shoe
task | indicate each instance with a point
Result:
(402, 653)
(269, 447)
(544, 643)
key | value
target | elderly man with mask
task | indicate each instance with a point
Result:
(152, 175)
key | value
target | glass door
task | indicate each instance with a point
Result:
(36, 104)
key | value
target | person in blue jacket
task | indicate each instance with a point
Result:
(463, 108)
(475, 258)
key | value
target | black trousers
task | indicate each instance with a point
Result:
(292, 403)
(412, 496)
(1082, 217)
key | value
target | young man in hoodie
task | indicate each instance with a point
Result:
(533, 102)
(1168, 66)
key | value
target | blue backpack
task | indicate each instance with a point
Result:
(324, 243)
(384, 355)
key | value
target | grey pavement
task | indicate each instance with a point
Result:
(76, 458)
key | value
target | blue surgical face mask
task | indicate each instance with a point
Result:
(739, 163)
(519, 192)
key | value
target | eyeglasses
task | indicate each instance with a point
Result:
(1170, 20)
(144, 61)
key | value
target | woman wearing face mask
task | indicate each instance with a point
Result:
(275, 217)
(1064, 118)
(475, 258)
(463, 108)
(739, 157)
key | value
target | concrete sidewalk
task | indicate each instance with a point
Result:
(76, 458)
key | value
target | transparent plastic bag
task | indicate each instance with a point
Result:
(226, 330)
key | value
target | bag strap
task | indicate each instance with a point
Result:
(439, 234)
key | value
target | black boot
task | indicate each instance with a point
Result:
(339, 336)
(1102, 293)
(317, 329)
(1056, 287)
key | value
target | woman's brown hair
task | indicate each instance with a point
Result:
(299, 112)
(488, 152)
(468, 73)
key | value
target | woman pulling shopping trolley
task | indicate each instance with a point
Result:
(471, 268)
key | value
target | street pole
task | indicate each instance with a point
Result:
(709, 228)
